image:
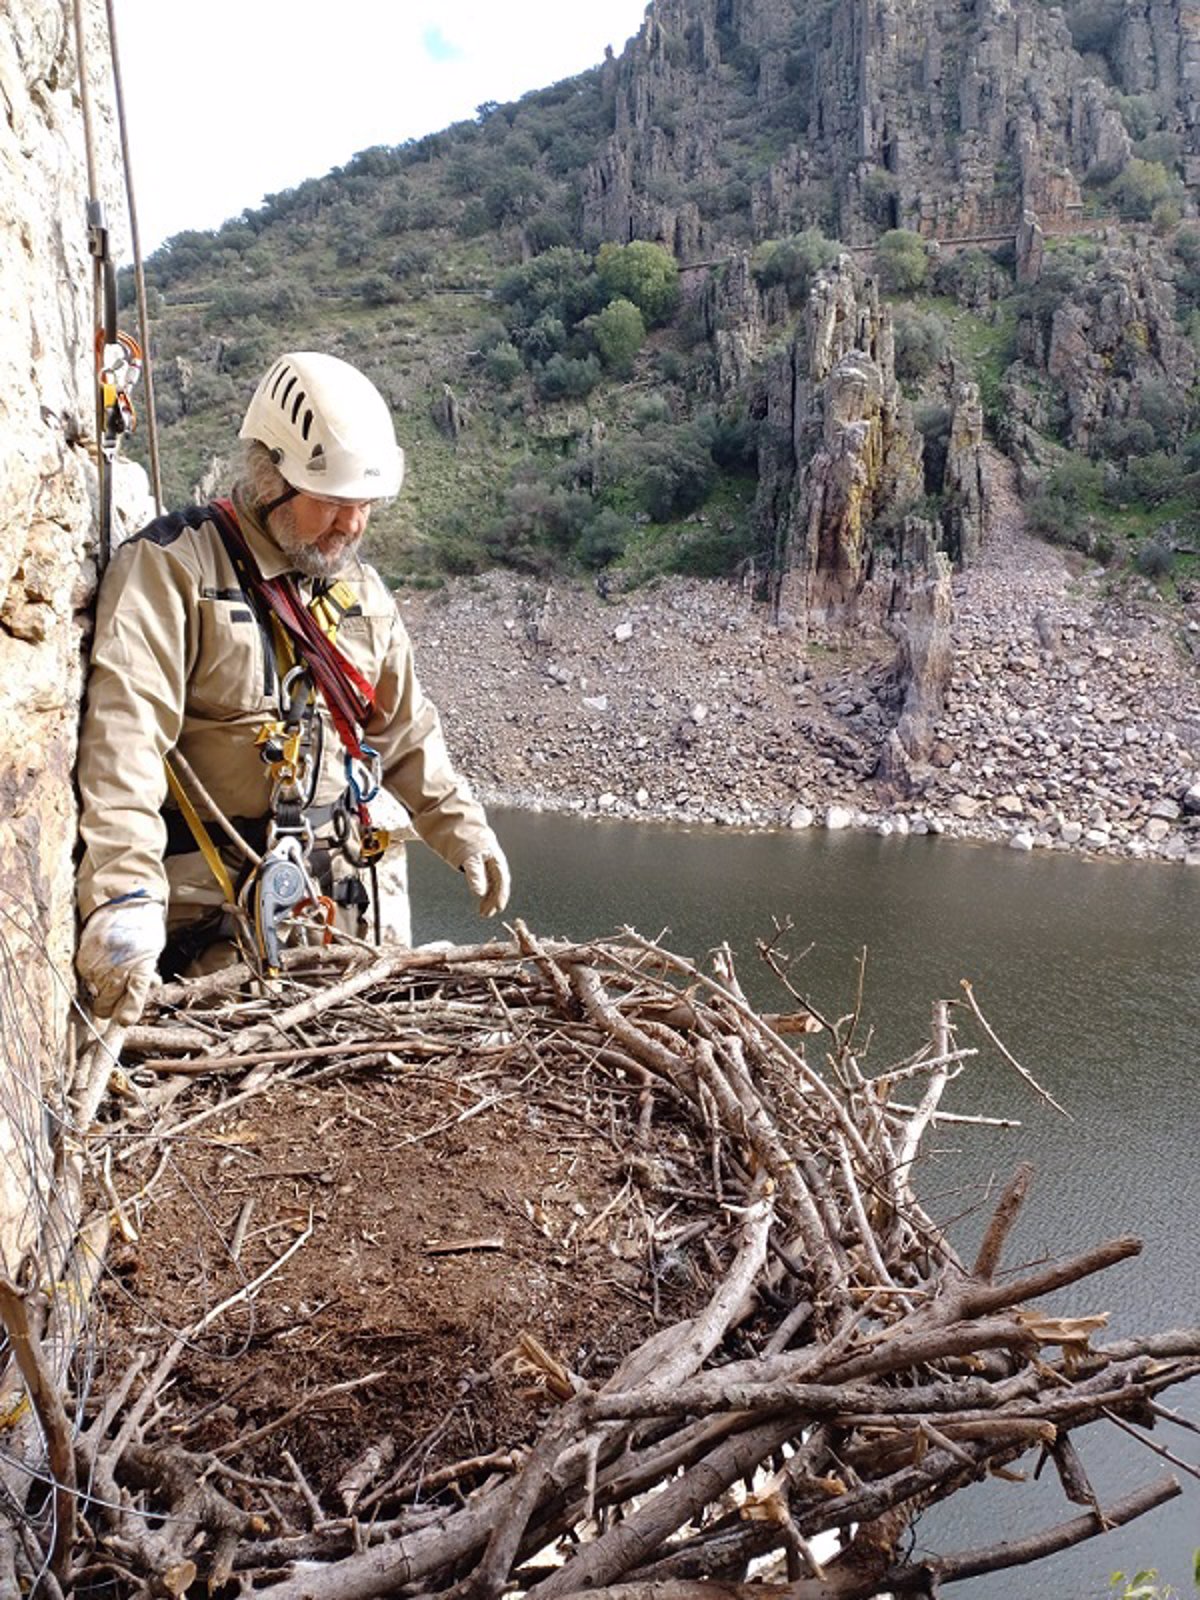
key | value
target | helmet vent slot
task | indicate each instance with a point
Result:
(286, 395)
(301, 397)
(280, 374)
(306, 426)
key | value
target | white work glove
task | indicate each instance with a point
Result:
(118, 956)
(488, 877)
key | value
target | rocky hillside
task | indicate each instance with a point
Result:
(647, 291)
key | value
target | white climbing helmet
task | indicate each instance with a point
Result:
(327, 427)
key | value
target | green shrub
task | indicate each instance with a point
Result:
(562, 378)
(794, 262)
(413, 260)
(712, 550)
(1152, 480)
(543, 339)
(901, 260)
(503, 364)
(395, 217)
(1140, 186)
(1155, 559)
(1120, 438)
(379, 290)
(642, 272)
(1165, 409)
(650, 410)
(733, 442)
(665, 471)
(511, 195)
(619, 332)
(1139, 112)
(603, 539)
(1162, 147)
(474, 220)
(1063, 508)
(545, 231)
(561, 281)
(921, 344)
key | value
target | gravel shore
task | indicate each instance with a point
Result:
(1073, 721)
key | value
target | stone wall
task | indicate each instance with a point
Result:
(46, 533)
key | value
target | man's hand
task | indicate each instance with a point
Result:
(118, 956)
(488, 877)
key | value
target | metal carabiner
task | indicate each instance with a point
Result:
(289, 710)
(371, 770)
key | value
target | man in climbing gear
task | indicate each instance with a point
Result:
(251, 690)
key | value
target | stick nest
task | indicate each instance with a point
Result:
(555, 1267)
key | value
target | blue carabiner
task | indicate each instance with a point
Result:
(363, 794)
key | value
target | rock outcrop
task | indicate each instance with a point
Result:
(46, 521)
(838, 447)
(1112, 346)
(965, 484)
(923, 114)
(923, 670)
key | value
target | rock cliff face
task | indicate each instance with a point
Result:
(1111, 346)
(1157, 51)
(46, 522)
(925, 114)
(839, 444)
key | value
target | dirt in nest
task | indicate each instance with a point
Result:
(447, 1217)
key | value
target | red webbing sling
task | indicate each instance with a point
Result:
(347, 694)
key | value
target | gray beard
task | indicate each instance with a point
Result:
(306, 558)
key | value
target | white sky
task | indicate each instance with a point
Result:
(235, 99)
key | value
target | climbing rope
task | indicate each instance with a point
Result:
(120, 360)
(139, 276)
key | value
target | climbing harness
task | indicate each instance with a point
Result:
(284, 893)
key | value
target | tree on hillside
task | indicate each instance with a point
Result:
(560, 281)
(901, 259)
(619, 331)
(794, 261)
(642, 272)
(1141, 185)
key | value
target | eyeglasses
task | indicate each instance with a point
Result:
(340, 504)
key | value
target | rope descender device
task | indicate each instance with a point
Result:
(282, 890)
(118, 369)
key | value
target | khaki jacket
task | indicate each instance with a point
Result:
(179, 662)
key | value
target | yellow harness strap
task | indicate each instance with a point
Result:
(331, 606)
(201, 835)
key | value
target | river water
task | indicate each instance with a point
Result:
(1090, 973)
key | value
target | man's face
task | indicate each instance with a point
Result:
(320, 535)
